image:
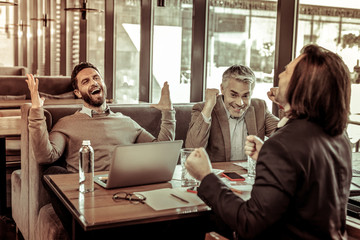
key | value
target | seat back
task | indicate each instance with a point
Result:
(147, 117)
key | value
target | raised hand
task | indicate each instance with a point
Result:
(253, 145)
(210, 101)
(33, 85)
(165, 101)
(198, 164)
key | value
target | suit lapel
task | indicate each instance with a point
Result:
(222, 118)
(250, 121)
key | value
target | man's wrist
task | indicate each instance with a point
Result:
(206, 119)
(207, 111)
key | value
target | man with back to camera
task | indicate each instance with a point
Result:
(222, 122)
(94, 122)
(303, 170)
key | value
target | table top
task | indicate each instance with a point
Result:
(97, 210)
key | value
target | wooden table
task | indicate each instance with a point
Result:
(9, 127)
(97, 210)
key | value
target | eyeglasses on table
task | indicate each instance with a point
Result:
(132, 197)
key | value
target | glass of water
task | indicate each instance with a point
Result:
(251, 167)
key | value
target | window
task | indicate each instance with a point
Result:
(335, 25)
(7, 35)
(172, 49)
(96, 35)
(72, 37)
(242, 32)
(127, 48)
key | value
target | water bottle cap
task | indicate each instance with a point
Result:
(86, 142)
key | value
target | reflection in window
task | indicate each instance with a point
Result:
(242, 32)
(172, 49)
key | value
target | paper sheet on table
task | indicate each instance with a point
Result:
(161, 199)
(178, 170)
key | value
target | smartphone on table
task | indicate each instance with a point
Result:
(233, 176)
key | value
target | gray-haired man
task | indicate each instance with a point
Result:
(222, 122)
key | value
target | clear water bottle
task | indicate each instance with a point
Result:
(86, 167)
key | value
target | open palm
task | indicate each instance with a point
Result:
(165, 101)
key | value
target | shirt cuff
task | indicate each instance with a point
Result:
(168, 114)
(36, 113)
(206, 119)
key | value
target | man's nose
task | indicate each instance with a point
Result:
(239, 102)
(93, 82)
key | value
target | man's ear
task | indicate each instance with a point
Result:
(222, 89)
(77, 93)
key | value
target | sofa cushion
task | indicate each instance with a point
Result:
(13, 97)
(13, 70)
(49, 225)
(16, 85)
(67, 95)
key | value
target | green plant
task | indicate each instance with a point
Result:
(350, 40)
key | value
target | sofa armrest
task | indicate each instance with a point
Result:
(20, 179)
(31, 196)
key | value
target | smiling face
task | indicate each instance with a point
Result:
(90, 87)
(237, 96)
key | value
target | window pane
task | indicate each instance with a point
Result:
(7, 35)
(72, 37)
(96, 35)
(242, 32)
(335, 25)
(172, 49)
(127, 45)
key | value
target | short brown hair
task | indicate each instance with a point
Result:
(77, 69)
(320, 88)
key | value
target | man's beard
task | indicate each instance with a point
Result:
(94, 102)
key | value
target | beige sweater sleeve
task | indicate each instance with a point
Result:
(167, 129)
(47, 148)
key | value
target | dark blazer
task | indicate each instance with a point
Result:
(215, 137)
(301, 188)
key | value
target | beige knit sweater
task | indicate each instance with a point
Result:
(105, 133)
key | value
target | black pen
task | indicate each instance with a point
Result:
(181, 199)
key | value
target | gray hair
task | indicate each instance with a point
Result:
(239, 73)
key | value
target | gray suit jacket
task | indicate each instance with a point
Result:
(215, 137)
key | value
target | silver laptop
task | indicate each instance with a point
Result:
(140, 164)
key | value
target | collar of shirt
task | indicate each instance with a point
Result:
(91, 113)
(228, 113)
(282, 122)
